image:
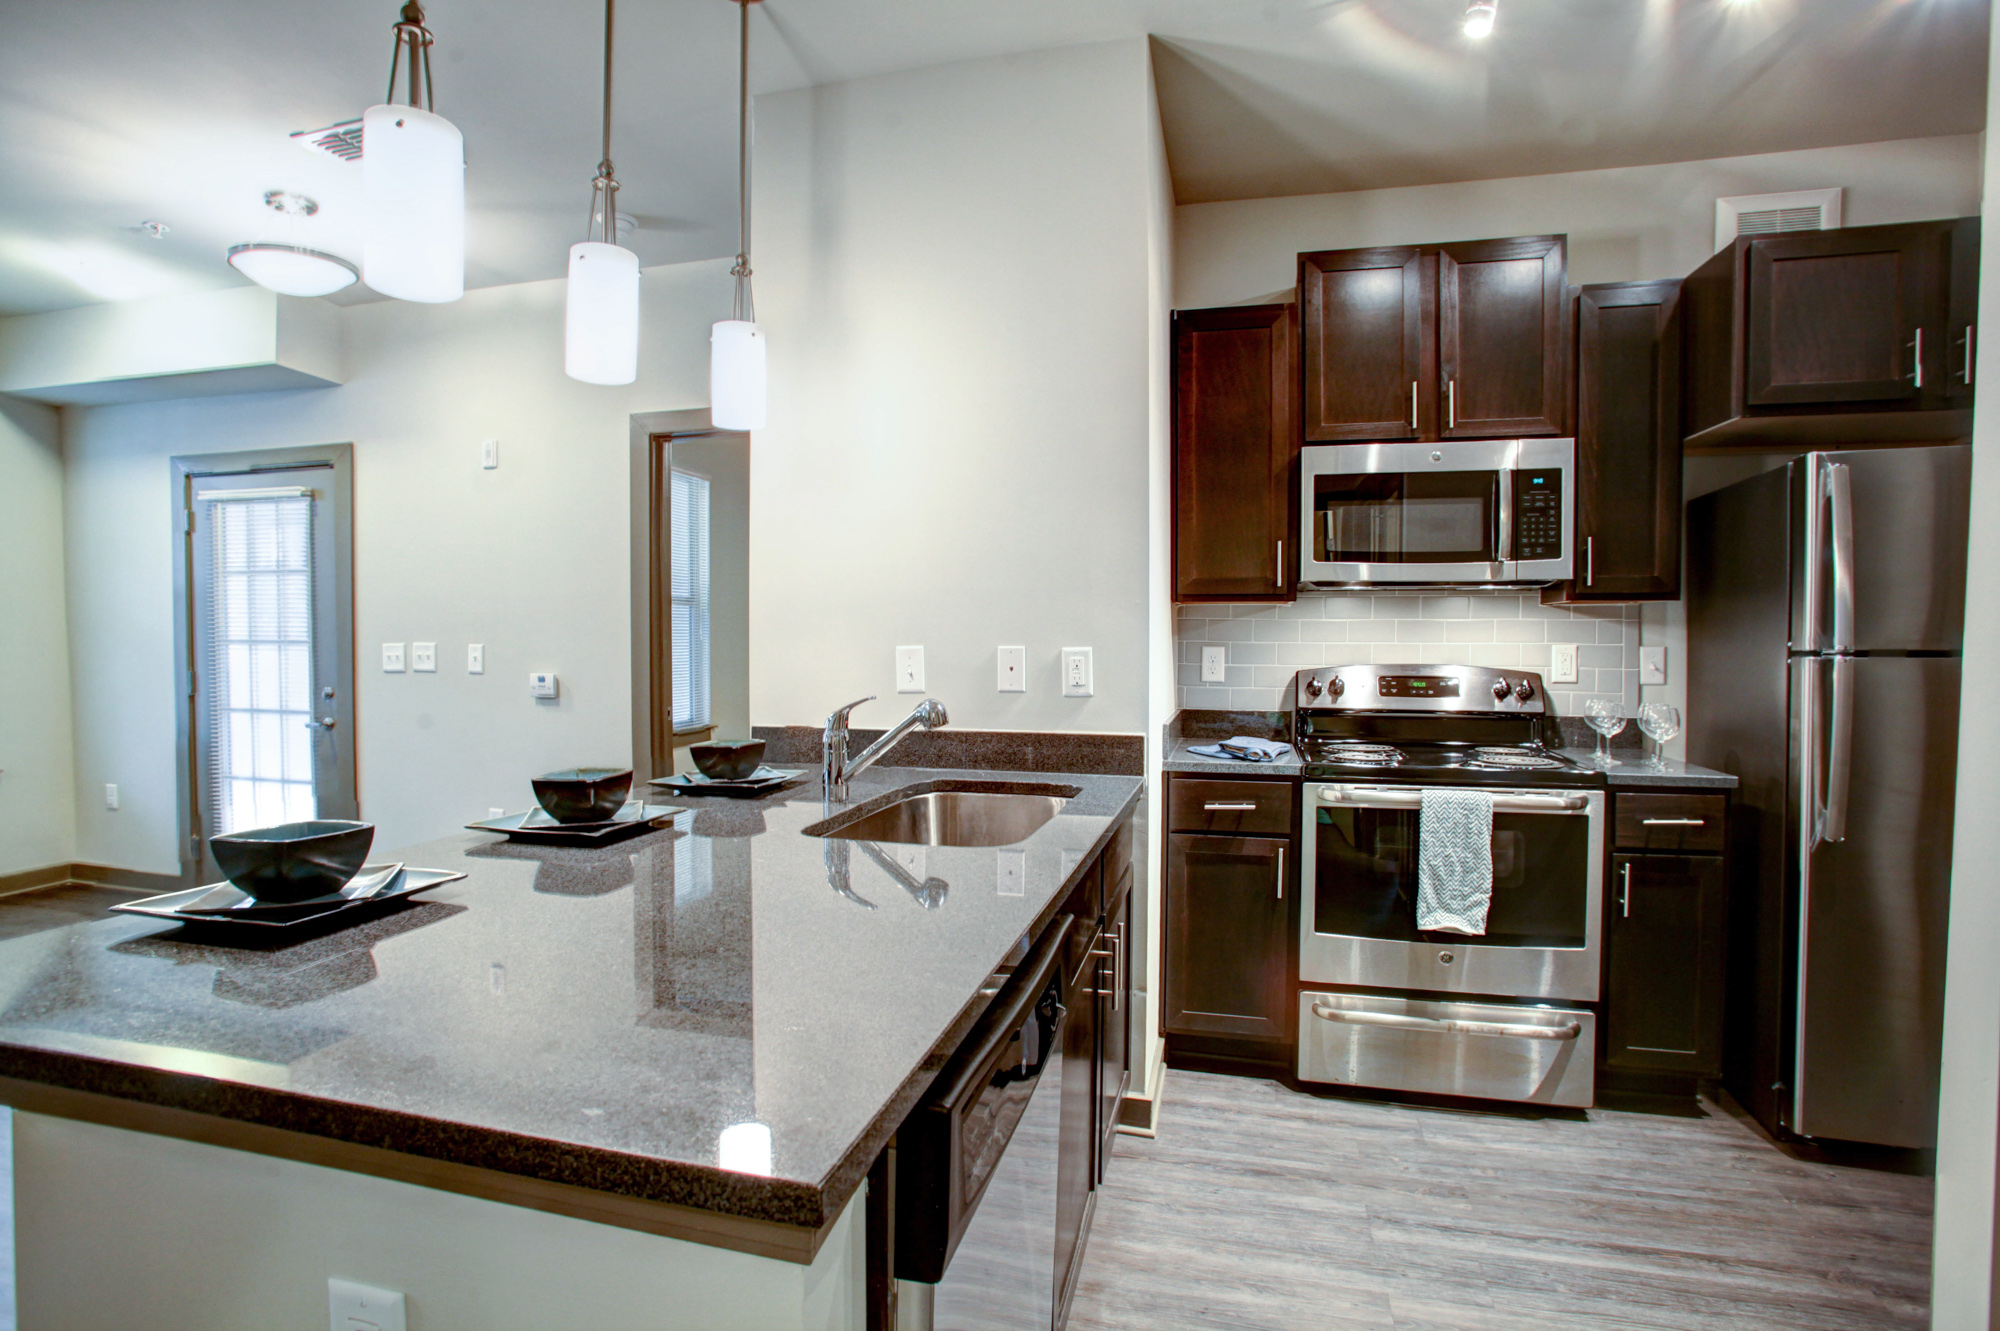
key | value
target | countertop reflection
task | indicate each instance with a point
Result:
(596, 1017)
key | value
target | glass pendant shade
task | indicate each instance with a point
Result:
(736, 375)
(291, 270)
(601, 319)
(413, 180)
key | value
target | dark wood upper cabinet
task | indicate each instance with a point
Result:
(1855, 335)
(1370, 357)
(1502, 325)
(1235, 447)
(1628, 445)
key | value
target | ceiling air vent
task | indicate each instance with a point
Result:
(342, 141)
(1769, 214)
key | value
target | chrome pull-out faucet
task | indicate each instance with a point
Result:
(837, 767)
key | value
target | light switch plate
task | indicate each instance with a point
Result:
(111, 797)
(1214, 664)
(424, 657)
(1652, 665)
(1013, 670)
(489, 453)
(392, 658)
(1562, 663)
(354, 1307)
(1077, 673)
(475, 658)
(909, 670)
(542, 684)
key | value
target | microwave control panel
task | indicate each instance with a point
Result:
(1538, 515)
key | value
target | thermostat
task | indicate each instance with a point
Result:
(541, 684)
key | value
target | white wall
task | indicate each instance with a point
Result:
(37, 810)
(952, 271)
(529, 559)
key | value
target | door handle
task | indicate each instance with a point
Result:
(1569, 1030)
(1503, 548)
(321, 723)
(1833, 826)
(1410, 799)
(1281, 564)
(1230, 806)
(1451, 404)
(1625, 890)
(1967, 372)
(1917, 357)
(1840, 500)
(1281, 873)
(1672, 822)
(1589, 560)
(1413, 398)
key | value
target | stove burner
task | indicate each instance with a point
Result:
(1359, 755)
(1514, 759)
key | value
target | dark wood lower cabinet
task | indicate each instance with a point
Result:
(1113, 991)
(1666, 949)
(1228, 944)
(1076, 1167)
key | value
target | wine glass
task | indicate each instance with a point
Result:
(1660, 723)
(1607, 718)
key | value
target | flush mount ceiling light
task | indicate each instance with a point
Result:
(293, 269)
(736, 378)
(601, 308)
(413, 182)
(1479, 16)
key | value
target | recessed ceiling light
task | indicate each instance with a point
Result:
(157, 230)
(292, 270)
(1479, 17)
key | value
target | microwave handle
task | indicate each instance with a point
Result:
(1503, 548)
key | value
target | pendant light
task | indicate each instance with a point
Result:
(601, 310)
(290, 269)
(736, 344)
(1479, 16)
(413, 183)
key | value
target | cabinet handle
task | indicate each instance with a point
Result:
(1625, 890)
(1281, 565)
(1231, 806)
(1118, 970)
(1413, 400)
(1968, 356)
(1281, 873)
(1672, 822)
(1589, 560)
(1918, 355)
(1451, 404)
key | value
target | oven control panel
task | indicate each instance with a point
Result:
(1538, 514)
(1418, 689)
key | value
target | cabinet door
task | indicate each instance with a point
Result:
(1664, 961)
(1839, 316)
(1502, 337)
(1961, 335)
(1228, 964)
(1235, 445)
(1077, 1138)
(1114, 1016)
(1369, 359)
(1628, 442)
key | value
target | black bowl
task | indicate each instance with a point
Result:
(584, 794)
(729, 759)
(293, 861)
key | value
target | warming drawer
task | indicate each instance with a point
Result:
(1490, 1051)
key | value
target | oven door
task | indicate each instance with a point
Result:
(1358, 925)
(1463, 513)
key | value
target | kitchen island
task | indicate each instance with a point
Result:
(637, 1085)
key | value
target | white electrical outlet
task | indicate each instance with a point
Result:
(111, 797)
(1652, 665)
(475, 658)
(1214, 664)
(542, 684)
(424, 657)
(489, 453)
(352, 1307)
(909, 670)
(392, 658)
(1013, 670)
(1562, 663)
(1076, 672)
(1011, 872)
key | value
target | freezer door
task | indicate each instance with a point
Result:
(1872, 814)
(1880, 544)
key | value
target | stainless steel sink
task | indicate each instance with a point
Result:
(959, 817)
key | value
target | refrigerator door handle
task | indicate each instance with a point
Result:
(1840, 494)
(1814, 555)
(1840, 752)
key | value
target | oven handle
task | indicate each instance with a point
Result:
(1411, 799)
(1569, 1030)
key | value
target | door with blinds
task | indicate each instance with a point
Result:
(268, 695)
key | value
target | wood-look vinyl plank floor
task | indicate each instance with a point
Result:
(1260, 1207)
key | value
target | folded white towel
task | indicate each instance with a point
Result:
(1454, 861)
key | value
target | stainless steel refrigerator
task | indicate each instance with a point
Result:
(1825, 618)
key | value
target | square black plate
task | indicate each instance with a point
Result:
(761, 782)
(401, 882)
(536, 827)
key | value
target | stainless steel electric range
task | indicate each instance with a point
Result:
(1499, 1015)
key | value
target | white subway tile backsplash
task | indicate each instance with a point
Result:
(1269, 643)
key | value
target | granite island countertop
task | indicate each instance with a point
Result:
(590, 1018)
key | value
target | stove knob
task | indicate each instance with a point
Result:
(1335, 687)
(1524, 690)
(1313, 687)
(1500, 690)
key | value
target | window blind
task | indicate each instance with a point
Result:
(688, 549)
(259, 683)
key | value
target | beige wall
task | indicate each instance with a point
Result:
(951, 268)
(37, 781)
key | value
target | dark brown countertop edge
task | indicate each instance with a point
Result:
(677, 1198)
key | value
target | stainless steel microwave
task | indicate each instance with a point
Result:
(1457, 513)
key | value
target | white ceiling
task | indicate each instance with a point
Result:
(113, 112)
